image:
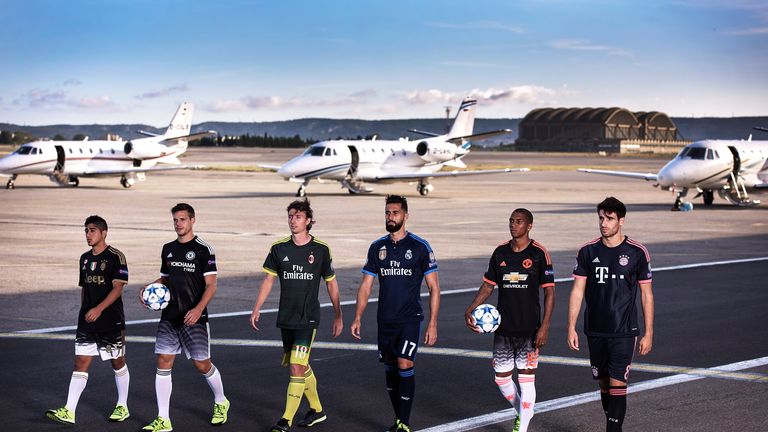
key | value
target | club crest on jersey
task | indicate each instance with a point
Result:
(93, 266)
(383, 252)
(311, 258)
(103, 266)
(623, 260)
(527, 263)
(408, 254)
(190, 255)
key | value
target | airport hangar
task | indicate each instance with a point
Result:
(609, 130)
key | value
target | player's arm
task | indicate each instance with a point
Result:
(646, 299)
(542, 334)
(264, 290)
(485, 291)
(210, 290)
(433, 284)
(574, 307)
(95, 312)
(363, 293)
(333, 293)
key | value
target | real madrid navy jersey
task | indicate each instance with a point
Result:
(519, 276)
(400, 268)
(185, 266)
(97, 272)
(613, 277)
(299, 269)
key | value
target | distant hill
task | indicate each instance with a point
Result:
(320, 128)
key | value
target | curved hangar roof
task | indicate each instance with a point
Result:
(650, 125)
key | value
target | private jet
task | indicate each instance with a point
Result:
(357, 162)
(64, 162)
(734, 169)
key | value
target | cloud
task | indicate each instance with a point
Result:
(48, 99)
(152, 94)
(479, 25)
(247, 103)
(72, 82)
(529, 94)
(584, 45)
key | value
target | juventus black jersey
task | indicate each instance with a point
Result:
(613, 277)
(97, 272)
(520, 276)
(184, 267)
(299, 269)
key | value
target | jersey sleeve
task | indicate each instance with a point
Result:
(119, 268)
(547, 271)
(270, 265)
(163, 264)
(371, 267)
(327, 270)
(429, 261)
(581, 268)
(209, 266)
(491, 274)
(644, 274)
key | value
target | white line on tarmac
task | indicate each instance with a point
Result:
(447, 292)
(579, 399)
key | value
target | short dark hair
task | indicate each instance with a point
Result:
(99, 221)
(398, 199)
(613, 205)
(526, 214)
(183, 207)
(302, 205)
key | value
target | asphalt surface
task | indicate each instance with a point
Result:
(703, 320)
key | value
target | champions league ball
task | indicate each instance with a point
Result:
(156, 296)
(487, 318)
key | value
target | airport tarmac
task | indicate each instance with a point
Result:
(242, 213)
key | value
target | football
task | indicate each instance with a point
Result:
(156, 296)
(487, 318)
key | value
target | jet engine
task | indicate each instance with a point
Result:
(437, 151)
(145, 150)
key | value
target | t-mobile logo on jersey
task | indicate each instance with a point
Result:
(601, 273)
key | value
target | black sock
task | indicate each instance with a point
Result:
(393, 386)
(617, 408)
(407, 389)
(604, 398)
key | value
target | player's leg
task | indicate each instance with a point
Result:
(598, 359)
(167, 345)
(85, 349)
(300, 366)
(195, 340)
(620, 356)
(504, 366)
(408, 344)
(112, 348)
(387, 340)
(526, 361)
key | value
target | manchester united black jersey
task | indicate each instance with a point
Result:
(520, 276)
(97, 273)
(184, 267)
(613, 278)
(299, 269)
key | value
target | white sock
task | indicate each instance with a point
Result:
(527, 399)
(214, 381)
(76, 386)
(122, 380)
(508, 389)
(163, 387)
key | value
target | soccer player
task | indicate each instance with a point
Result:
(299, 261)
(400, 260)
(520, 268)
(101, 321)
(188, 269)
(609, 272)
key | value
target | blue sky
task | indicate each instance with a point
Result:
(115, 61)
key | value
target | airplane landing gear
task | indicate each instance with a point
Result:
(709, 197)
(11, 182)
(424, 188)
(678, 205)
(74, 181)
(125, 182)
(302, 192)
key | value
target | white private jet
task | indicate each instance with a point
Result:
(354, 163)
(735, 169)
(65, 161)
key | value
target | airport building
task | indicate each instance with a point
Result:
(610, 130)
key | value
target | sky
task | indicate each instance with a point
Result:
(134, 61)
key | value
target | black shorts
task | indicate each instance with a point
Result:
(399, 340)
(611, 356)
(297, 345)
(107, 345)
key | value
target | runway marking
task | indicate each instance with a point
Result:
(580, 399)
(451, 352)
(374, 300)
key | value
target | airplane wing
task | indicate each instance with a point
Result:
(429, 134)
(270, 167)
(454, 173)
(140, 169)
(480, 136)
(149, 134)
(646, 176)
(190, 137)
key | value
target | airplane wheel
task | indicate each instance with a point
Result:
(709, 197)
(10, 185)
(125, 183)
(301, 192)
(74, 182)
(423, 191)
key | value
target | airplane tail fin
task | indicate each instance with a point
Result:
(181, 123)
(464, 123)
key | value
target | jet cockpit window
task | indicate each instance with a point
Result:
(24, 150)
(717, 155)
(696, 153)
(710, 155)
(334, 152)
(315, 151)
(327, 151)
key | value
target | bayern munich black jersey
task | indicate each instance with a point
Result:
(520, 276)
(97, 273)
(184, 267)
(299, 269)
(400, 267)
(613, 277)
